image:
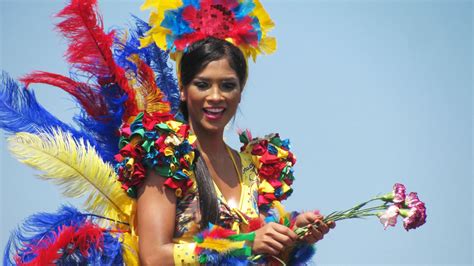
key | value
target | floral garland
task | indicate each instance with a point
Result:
(274, 163)
(157, 142)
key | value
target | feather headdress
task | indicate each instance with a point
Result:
(176, 24)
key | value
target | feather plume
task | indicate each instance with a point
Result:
(90, 48)
(145, 85)
(128, 45)
(159, 62)
(75, 166)
(37, 228)
(66, 237)
(91, 99)
(21, 112)
(105, 130)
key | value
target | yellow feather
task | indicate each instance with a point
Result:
(76, 167)
(130, 249)
(148, 96)
(221, 245)
(266, 23)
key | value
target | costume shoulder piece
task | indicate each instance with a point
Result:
(274, 163)
(159, 143)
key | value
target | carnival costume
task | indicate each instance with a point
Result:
(131, 99)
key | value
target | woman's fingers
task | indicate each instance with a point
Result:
(317, 232)
(285, 231)
(331, 224)
(322, 227)
(273, 238)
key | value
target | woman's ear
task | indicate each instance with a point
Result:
(182, 94)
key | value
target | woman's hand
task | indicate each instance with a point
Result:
(314, 234)
(273, 238)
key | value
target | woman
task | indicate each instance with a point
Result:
(184, 176)
(213, 73)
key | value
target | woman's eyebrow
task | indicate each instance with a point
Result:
(207, 79)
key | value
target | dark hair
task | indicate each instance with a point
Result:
(193, 61)
(202, 52)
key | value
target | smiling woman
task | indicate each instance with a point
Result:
(193, 199)
(370, 92)
(225, 183)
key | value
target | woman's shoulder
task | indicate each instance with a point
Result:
(160, 143)
(273, 163)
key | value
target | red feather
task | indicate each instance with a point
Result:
(68, 239)
(256, 223)
(218, 232)
(48, 252)
(89, 98)
(146, 76)
(90, 47)
(88, 235)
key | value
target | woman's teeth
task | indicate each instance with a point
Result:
(214, 113)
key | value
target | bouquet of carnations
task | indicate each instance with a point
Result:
(386, 207)
(393, 204)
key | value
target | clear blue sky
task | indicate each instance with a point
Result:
(370, 93)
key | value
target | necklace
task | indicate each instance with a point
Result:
(236, 168)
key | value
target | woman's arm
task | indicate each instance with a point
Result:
(156, 210)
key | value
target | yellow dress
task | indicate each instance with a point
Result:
(188, 212)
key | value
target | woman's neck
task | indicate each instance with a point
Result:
(210, 143)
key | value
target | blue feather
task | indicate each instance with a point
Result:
(42, 226)
(105, 130)
(20, 111)
(195, 3)
(36, 228)
(244, 8)
(110, 254)
(302, 253)
(155, 57)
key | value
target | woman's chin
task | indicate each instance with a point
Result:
(213, 126)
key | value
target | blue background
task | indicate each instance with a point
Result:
(370, 92)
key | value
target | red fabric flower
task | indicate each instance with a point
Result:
(268, 158)
(181, 184)
(183, 163)
(160, 143)
(291, 158)
(259, 149)
(137, 175)
(183, 131)
(125, 131)
(274, 183)
(268, 171)
(128, 151)
(148, 122)
(118, 157)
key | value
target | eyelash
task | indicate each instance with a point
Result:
(229, 85)
(201, 85)
(226, 86)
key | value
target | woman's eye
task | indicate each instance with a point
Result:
(228, 86)
(201, 84)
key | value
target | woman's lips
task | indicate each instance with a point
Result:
(214, 113)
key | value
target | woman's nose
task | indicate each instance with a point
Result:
(215, 93)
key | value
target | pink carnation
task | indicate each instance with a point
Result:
(416, 215)
(389, 217)
(399, 193)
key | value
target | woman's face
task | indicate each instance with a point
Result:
(212, 97)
